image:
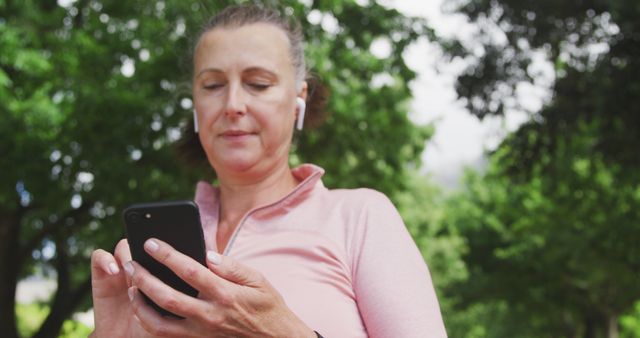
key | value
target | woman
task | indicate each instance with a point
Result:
(286, 256)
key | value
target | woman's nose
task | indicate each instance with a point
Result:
(236, 105)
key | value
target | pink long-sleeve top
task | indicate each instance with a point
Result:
(342, 259)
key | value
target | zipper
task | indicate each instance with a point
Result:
(227, 249)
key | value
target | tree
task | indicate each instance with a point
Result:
(551, 228)
(594, 49)
(94, 96)
(561, 252)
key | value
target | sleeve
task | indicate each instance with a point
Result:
(392, 283)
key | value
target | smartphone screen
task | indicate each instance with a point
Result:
(176, 223)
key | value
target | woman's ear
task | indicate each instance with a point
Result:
(304, 88)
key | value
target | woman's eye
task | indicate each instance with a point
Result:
(259, 86)
(212, 86)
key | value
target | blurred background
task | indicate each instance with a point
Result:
(506, 132)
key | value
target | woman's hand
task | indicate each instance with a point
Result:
(113, 313)
(234, 300)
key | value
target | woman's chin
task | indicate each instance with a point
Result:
(242, 162)
(237, 164)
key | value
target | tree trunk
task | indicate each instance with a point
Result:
(569, 325)
(65, 300)
(612, 326)
(590, 327)
(9, 234)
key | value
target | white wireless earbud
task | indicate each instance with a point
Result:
(302, 105)
(195, 121)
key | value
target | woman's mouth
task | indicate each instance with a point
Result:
(235, 135)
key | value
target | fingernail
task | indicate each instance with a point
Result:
(151, 245)
(128, 267)
(113, 268)
(214, 257)
(131, 292)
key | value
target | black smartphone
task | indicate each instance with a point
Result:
(176, 223)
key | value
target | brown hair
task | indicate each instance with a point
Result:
(189, 147)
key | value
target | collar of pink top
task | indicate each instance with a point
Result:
(207, 197)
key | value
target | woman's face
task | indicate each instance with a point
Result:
(245, 97)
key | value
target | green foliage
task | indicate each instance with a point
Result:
(422, 207)
(94, 95)
(551, 228)
(592, 45)
(630, 323)
(74, 329)
(361, 134)
(31, 316)
(561, 246)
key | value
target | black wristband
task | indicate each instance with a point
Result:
(319, 335)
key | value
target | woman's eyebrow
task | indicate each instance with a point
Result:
(208, 70)
(250, 70)
(253, 70)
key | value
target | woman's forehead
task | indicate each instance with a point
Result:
(260, 44)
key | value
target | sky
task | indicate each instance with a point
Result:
(460, 139)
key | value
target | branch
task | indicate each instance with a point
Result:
(78, 21)
(49, 228)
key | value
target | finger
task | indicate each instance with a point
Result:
(122, 254)
(107, 279)
(103, 264)
(165, 296)
(151, 321)
(233, 271)
(192, 272)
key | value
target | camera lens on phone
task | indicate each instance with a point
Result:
(134, 217)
